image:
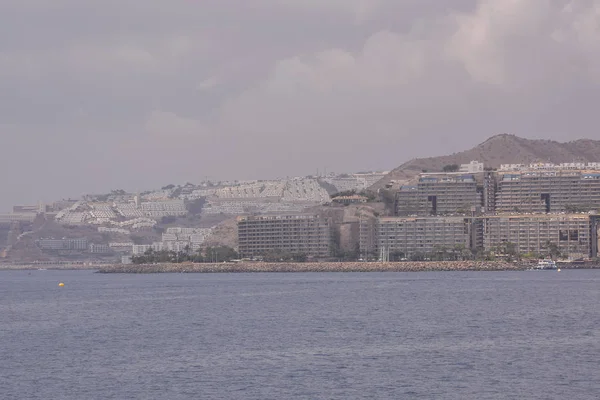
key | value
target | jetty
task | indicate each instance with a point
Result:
(409, 266)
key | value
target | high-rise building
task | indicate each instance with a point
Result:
(425, 235)
(440, 194)
(549, 190)
(367, 236)
(311, 235)
(571, 233)
(80, 244)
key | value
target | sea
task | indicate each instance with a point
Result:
(438, 335)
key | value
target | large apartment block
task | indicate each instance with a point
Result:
(80, 244)
(439, 194)
(513, 188)
(367, 235)
(547, 190)
(573, 234)
(306, 234)
(424, 235)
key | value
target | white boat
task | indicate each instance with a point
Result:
(546, 264)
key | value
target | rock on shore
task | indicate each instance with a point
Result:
(316, 267)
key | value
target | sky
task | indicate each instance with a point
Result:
(136, 94)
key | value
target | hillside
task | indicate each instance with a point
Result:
(501, 149)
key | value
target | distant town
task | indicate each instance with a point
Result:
(462, 212)
(175, 218)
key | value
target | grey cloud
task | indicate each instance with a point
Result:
(103, 94)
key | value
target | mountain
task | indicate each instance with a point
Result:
(500, 149)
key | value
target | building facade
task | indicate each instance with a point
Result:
(575, 236)
(311, 235)
(513, 188)
(572, 234)
(7, 218)
(367, 236)
(100, 248)
(548, 188)
(439, 194)
(79, 244)
(472, 168)
(423, 236)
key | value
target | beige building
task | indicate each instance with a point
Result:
(367, 236)
(440, 194)
(311, 235)
(536, 188)
(551, 190)
(575, 235)
(424, 235)
(571, 233)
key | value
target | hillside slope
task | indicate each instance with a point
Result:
(501, 149)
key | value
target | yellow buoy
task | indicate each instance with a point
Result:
(61, 284)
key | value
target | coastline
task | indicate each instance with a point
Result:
(242, 267)
(290, 267)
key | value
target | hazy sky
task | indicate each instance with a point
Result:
(104, 94)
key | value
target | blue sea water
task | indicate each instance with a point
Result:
(463, 335)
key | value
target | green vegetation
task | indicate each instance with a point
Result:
(456, 253)
(208, 255)
(508, 250)
(277, 255)
(328, 187)
(176, 193)
(371, 196)
(194, 207)
(137, 239)
(552, 250)
(220, 254)
(397, 255)
(443, 253)
(451, 168)
(168, 219)
(344, 193)
(531, 256)
(345, 255)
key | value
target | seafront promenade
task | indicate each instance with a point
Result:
(316, 267)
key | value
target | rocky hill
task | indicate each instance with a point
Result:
(501, 149)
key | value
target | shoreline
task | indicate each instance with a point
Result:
(258, 267)
(291, 267)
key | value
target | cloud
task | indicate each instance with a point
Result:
(208, 83)
(360, 10)
(240, 89)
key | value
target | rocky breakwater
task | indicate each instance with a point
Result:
(314, 267)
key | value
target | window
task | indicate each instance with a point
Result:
(563, 235)
(574, 234)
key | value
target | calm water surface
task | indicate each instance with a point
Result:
(471, 335)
